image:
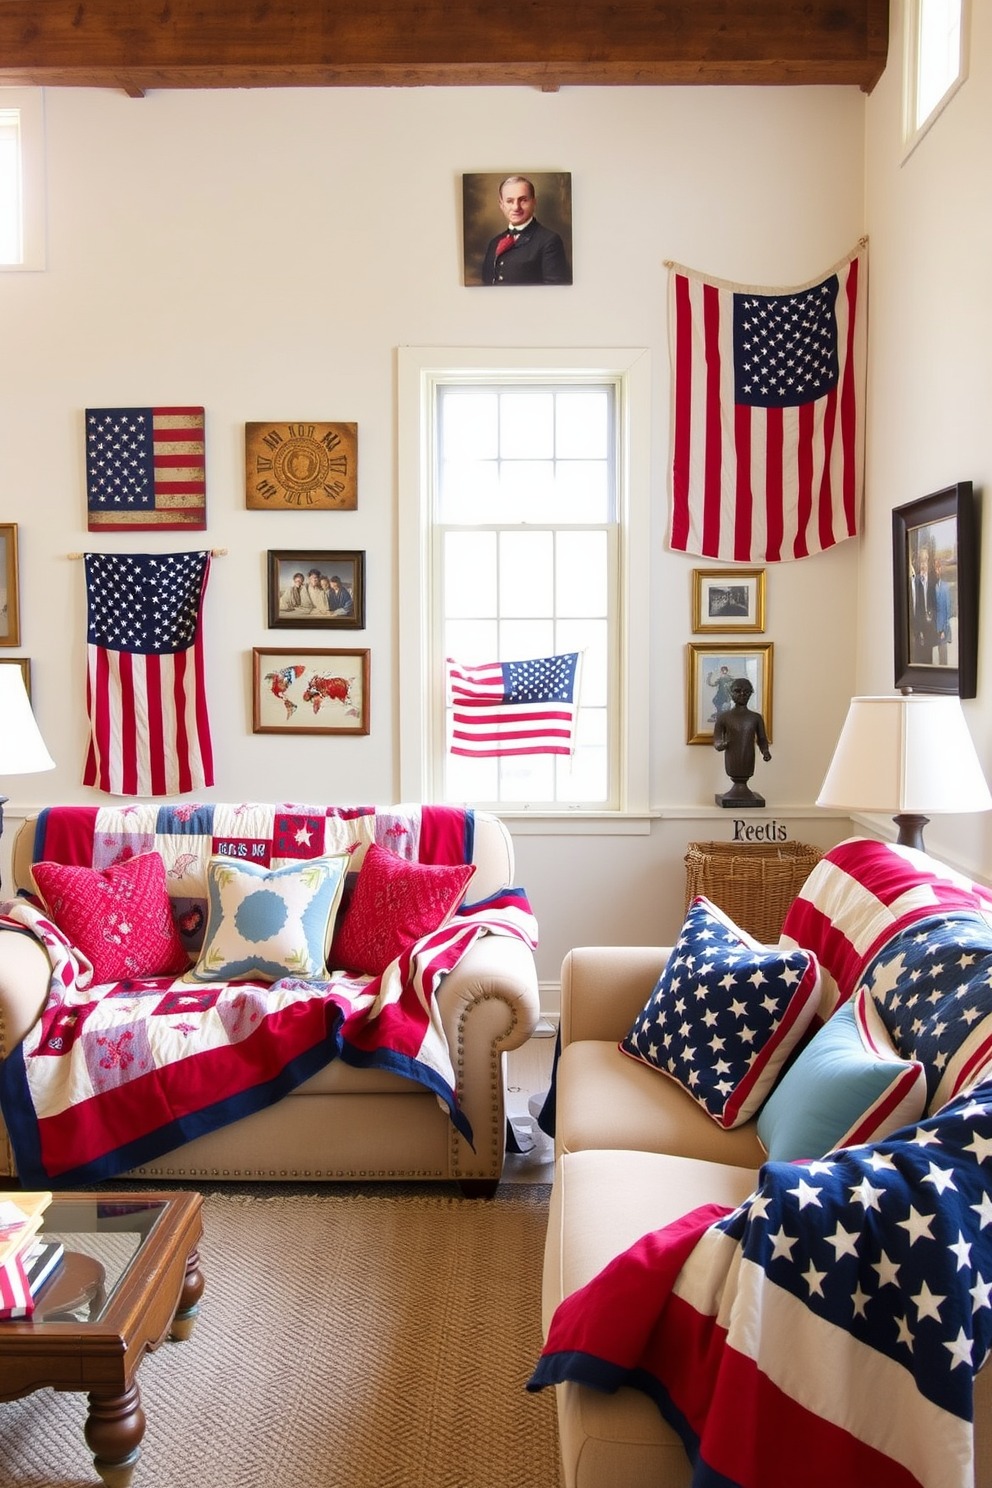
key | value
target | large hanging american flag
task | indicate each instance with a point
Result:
(514, 707)
(145, 467)
(768, 414)
(145, 697)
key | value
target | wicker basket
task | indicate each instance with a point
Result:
(753, 883)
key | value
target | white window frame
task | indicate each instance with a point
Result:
(30, 104)
(912, 16)
(421, 667)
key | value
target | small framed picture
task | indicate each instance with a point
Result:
(10, 618)
(316, 590)
(517, 229)
(711, 669)
(25, 665)
(935, 592)
(728, 599)
(306, 691)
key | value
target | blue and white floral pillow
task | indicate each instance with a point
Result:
(725, 1014)
(265, 923)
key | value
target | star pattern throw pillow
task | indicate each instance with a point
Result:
(725, 1014)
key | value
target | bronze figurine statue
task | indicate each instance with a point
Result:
(736, 732)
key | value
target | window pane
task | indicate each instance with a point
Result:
(469, 573)
(474, 642)
(527, 426)
(583, 775)
(471, 779)
(582, 491)
(527, 777)
(583, 425)
(469, 491)
(591, 638)
(526, 574)
(581, 576)
(520, 639)
(469, 424)
(939, 53)
(527, 491)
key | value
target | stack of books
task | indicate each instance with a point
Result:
(26, 1262)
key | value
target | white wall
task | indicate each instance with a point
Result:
(930, 373)
(264, 254)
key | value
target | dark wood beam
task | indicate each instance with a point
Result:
(144, 44)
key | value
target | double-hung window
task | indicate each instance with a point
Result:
(523, 536)
(22, 179)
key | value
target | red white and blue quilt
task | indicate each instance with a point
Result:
(114, 1076)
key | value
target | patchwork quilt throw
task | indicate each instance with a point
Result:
(116, 1075)
(827, 1330)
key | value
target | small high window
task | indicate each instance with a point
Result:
(935, 61)
(22, 179)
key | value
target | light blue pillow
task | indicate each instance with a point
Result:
(267, 923)
(847, 1087)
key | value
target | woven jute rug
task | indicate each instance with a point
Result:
(355, 1337)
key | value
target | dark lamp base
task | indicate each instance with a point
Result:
(910, 830)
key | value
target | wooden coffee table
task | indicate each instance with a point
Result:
(130, 1279)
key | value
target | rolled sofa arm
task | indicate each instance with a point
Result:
(603, 988)
(25, 972)
(489, 1003)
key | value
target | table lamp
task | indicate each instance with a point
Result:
(909, 754)
(22, 749)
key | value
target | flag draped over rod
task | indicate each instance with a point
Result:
(768, 414)
(514, 707)
(145, 696)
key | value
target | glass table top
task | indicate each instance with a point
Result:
(101, 1238)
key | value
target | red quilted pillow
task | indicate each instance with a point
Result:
(119, 917)
(394, 904)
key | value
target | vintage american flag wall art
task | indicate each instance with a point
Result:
(145, 467)
(767, 414)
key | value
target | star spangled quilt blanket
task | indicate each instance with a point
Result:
(114, 1076)
(826, 1331)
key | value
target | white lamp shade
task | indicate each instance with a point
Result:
(22, 749)
(910, 753)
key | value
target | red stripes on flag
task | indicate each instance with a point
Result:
(754, 483)
(518, 707)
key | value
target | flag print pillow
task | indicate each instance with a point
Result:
(119, 918)
(725, 1014)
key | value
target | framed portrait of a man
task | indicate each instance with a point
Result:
(935, 592)
(517, 227)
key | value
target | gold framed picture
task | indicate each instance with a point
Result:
(301, 466)
(728, 599)
(24, 662)
(10, 617)
(710, 669)
(301, 690)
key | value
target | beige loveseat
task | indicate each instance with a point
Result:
(634, 1152)
(346, 1122)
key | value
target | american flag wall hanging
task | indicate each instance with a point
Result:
(513, 707)
(145, 467)
(767, 414)
(145, 695)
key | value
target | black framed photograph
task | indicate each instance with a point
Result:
(728, 599)
(935, 592)
(308, 691)
(711, 669)
(517, 228)
(316, 590)
(10, 620)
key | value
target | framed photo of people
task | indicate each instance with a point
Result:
(711, 668)
(10, 619)
(306, 691)
(311, 590)
(935, 592)
(728, 599)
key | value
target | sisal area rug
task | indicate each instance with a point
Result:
(375, 1336)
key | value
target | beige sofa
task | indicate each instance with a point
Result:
(634, 1152)
(348, 1123)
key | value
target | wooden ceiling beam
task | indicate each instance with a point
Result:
(146, 44)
